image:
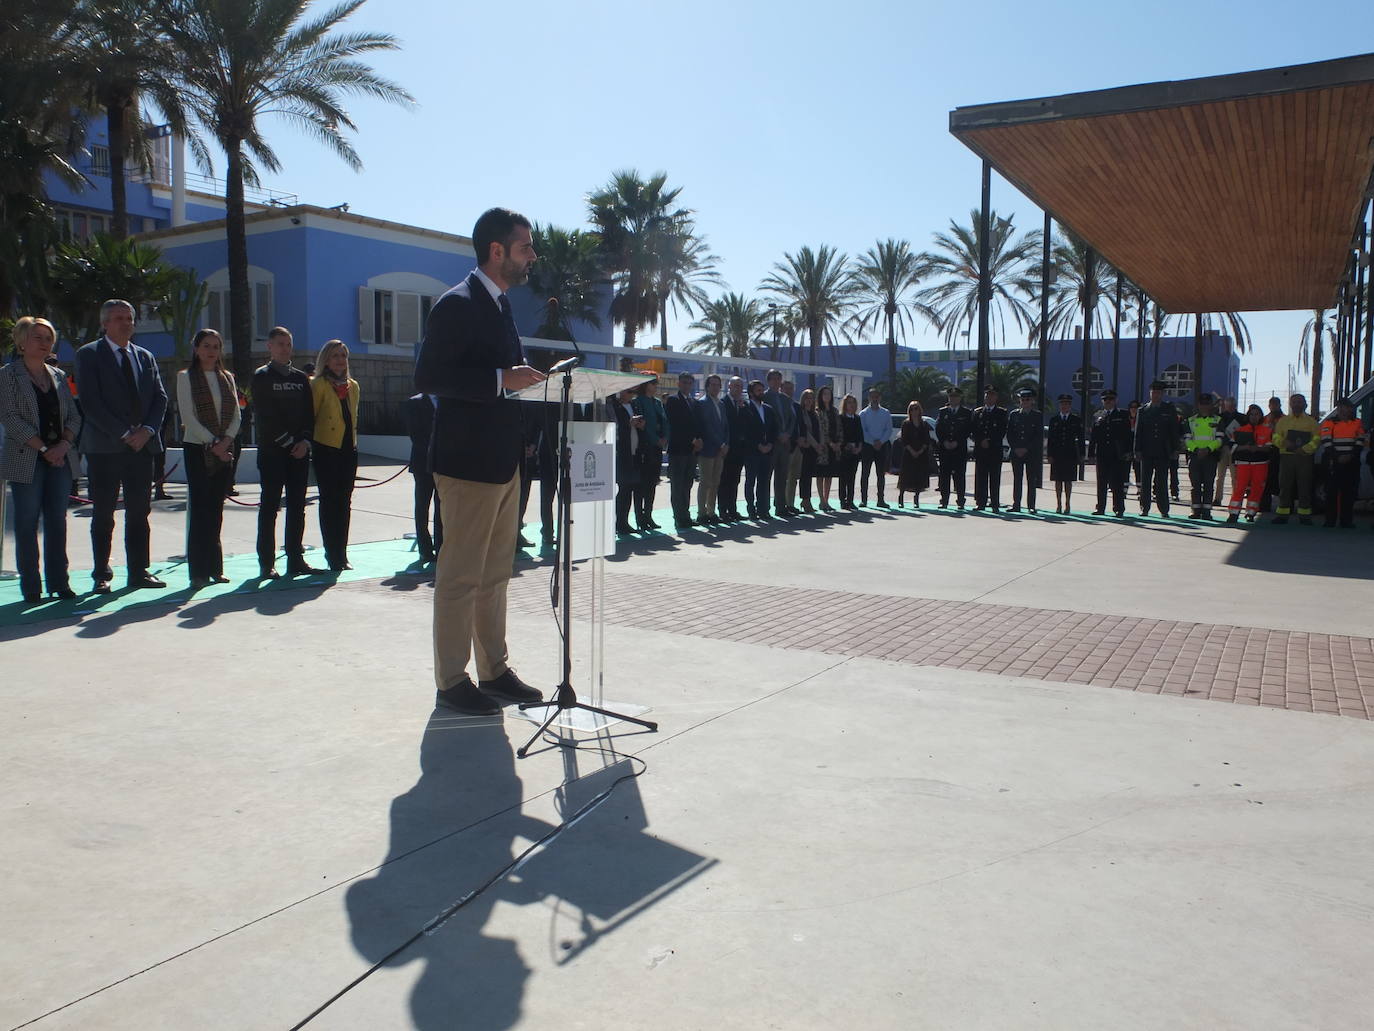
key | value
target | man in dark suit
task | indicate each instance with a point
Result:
(123, 401)
(420, 425)
(541, 463)
(727, 494)
(684, 441)
(760, 432)
(786, 411)
(470, 356)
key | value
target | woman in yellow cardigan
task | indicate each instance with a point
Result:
(335, 448)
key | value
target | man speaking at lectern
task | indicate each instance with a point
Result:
(471, 355)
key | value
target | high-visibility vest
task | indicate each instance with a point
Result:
(1344, 435)
(1200, 433)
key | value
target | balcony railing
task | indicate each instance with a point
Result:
(161, 176)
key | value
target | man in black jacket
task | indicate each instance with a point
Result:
(285, 418)
(989, 430)
(1156, 444)
(470, 356)
(727, 496)
(1110, 444)
(760, 433)
(1026, 438)
(953, 427)
(684, 441)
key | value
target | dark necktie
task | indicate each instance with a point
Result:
(127, 368)
(512, 334)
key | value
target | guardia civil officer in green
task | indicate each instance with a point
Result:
(1110, 444)
(1156, 445)
(1202, 433)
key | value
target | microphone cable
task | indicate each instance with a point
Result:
(437, 922)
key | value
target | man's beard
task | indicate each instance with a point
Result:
(515, 273)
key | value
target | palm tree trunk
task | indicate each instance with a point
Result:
(816, 334)
(891, 350)
(1317, 345)
(116, 111)
(663, 323)
(236, 234)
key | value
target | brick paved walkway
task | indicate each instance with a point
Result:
(1277, 668)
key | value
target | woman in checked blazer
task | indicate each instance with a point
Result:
(39, 460)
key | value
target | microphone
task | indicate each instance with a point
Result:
(555, 317)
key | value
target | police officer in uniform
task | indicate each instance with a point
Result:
(1202, 441)
(1110, 445)
(1026, 438)
(1156, 444)
(953, 427)
(989, 430)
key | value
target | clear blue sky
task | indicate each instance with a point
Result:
(785, 123)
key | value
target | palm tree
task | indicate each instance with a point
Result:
(731, 325)
(238, 60)
(42, 129)
(1004, 377)
(1311, 345)
(953, 264)
(632, 217)
(885, 275)
(568, 271)
(1070, 290)
(181, 308)
(924, 383)
(683, 264)
(1205, 321)
(129, 61)
(820, 287)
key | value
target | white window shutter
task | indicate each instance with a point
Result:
(407, 319)
(367, 314)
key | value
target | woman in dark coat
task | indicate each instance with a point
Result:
(809, 443)
(851, 443)
(828, 445)
(1064, 448)
(913, 472)
(628, 426)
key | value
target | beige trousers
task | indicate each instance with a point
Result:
(708, 486)
(470, 581)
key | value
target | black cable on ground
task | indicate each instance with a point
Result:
(442, 918)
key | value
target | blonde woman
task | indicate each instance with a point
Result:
(335, 395)
(207, 399)
(41, 424)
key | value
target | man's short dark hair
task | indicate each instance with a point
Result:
(713, 376)
(495, 225)
(774, 372)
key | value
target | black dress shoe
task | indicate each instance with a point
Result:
(32, 599)
(624, 529)
(146, 580)
(883, 504)
(524, 541)
(268, 573)
(465, 698)
(302, 568)
(510, 688)
(199, 583)
(339, 567)
(65, 593)
(220, 579)
(101, 587)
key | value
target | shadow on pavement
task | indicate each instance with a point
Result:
(462, 824)
(1305, 550)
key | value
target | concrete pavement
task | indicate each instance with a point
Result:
(223, 821)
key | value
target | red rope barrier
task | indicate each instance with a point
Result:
(382, 483)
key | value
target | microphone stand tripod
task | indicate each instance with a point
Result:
(566, 697)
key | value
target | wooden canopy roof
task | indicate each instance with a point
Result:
(1230, 193)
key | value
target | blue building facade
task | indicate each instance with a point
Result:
(1172, 359)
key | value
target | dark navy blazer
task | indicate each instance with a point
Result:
(106, 406)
